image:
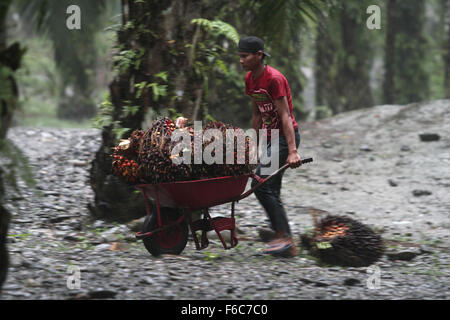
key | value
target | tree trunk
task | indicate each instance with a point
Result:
(389, 66)
(343, 60)
(355, 63)
(326, 68)
(156, 32)
(446, 48)
(406, 79)
(75, 56)
(5, 118)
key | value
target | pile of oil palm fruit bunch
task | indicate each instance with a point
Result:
(343, 241)
(240, 163)
(125, 158)
(146, 156)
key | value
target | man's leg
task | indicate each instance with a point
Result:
(268, 196)
(269, 193)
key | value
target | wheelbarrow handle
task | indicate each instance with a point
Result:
(284, 167)
(303, 161)
(261, 181)
(307, 160)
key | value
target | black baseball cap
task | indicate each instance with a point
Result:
(252, 44)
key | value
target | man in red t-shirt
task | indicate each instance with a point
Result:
(272, 110)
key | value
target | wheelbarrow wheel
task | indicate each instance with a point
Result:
(172, 240)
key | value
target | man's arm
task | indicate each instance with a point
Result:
(282, 107)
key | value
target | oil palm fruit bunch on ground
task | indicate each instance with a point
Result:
(343, 241)
(149, 153)
(125, 156)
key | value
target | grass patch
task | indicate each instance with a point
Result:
(210, 256)
(21, 236)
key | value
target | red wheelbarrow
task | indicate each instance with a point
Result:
(167, 225)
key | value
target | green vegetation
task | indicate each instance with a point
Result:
(22, 236)
(40, 83)
(210, 256)
(321, 35)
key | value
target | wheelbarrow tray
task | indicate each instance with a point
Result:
(201, 195)
(196, 194)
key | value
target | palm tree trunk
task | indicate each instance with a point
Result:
(160, 38)
(5, 119)
(355, 64)
(446, 48)
(74, 50)
(389, 67)
(406, 79)
(343, 60)
(325, 68)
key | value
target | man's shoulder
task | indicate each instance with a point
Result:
(274, 73)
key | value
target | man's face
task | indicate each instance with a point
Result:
(250, 61)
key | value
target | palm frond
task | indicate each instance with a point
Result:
(218, 28)
(283, 20)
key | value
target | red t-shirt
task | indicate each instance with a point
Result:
(267, 88)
